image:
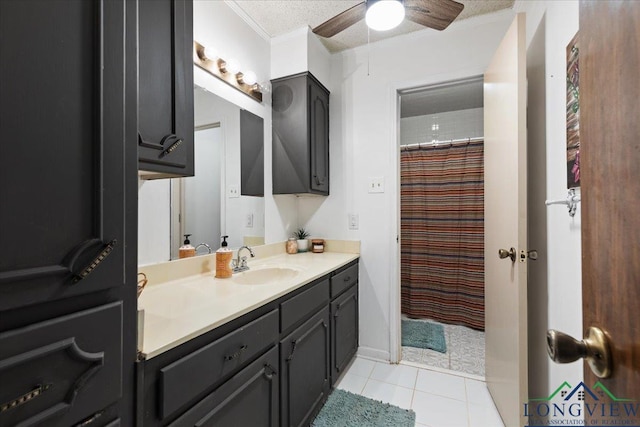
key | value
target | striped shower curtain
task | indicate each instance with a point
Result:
(442, 229)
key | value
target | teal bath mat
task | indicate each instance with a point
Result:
(344, 409)
(420, 334)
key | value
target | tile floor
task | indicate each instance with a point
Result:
(438, 399)
(465, 351)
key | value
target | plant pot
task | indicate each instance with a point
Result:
(303, 245)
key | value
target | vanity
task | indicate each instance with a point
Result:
(262, 348)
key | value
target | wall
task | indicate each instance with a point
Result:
(363, 144)
(450, 125)
(300, 51)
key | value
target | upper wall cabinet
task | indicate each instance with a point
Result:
(251, 154)
(300, 135)
(64, 121)
(165, 88)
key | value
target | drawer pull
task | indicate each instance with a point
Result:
(96, 261)
(171, 148)
(90, 420)
(27, 397)
(293, 350)
(346, 279)
(269, 372)
(236, 354)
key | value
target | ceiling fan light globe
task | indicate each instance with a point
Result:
(384, 15)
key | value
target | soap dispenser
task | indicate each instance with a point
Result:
(186, 250)
(223, 260)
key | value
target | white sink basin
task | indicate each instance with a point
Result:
(264, 276)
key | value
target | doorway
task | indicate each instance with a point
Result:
(441, 226)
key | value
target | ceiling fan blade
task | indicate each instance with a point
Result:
(341, 21)
(437, 14)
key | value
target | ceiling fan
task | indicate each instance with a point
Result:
(386, 14)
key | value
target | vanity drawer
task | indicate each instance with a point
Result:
(304, 304)
(63, 370)
(344, 280)
(186, 378)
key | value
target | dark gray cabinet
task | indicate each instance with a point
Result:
(165, 87)
(304, 370)
(272, 366)
(251, 154)
(344, 331)
(68, 219)
(250, 398)
(300, 135)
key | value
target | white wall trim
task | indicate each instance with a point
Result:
(246, 18)
(395, 338)
(373, 353)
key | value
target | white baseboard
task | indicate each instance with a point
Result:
(374, 354)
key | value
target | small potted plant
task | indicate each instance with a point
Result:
(301, 235)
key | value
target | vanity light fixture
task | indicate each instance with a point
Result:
(383, 15)
(227, 71)
(248, 77)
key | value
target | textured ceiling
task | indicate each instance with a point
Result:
(277, 17)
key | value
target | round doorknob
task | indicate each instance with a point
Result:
(511, 253)
(563, 348)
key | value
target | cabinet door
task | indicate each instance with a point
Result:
(290, 136)
(165, 87)
(62, 151)
(319, 137)
(344, 331)
(304, 367)
(61, 371)
(248, 399)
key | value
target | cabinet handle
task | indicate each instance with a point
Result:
(318, 180)
(293, 350)
(269, 372)
(161, 145)
(236, 354)
(346, 279)
(84, 247)
(27, 397)
(172, 147)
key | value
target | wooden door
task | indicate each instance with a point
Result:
(506, 224)
(609, 41)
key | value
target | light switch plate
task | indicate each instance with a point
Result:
(376, 184)
(353, 221)
(233, 191)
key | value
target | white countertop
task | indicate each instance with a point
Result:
(179, 310)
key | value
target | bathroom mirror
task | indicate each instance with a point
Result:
(209, 204)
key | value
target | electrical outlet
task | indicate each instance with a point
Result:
(376, 184)
(233, 191)
(249, 221)
(353, 221)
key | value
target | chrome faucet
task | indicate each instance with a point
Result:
(240, 264)
(206, 246)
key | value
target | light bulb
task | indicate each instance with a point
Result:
(233, 66)
(249, 78)
(384, 15)
(210, 53)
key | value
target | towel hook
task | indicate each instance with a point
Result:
(571, 201)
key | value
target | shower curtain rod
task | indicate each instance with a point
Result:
(436, 143)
